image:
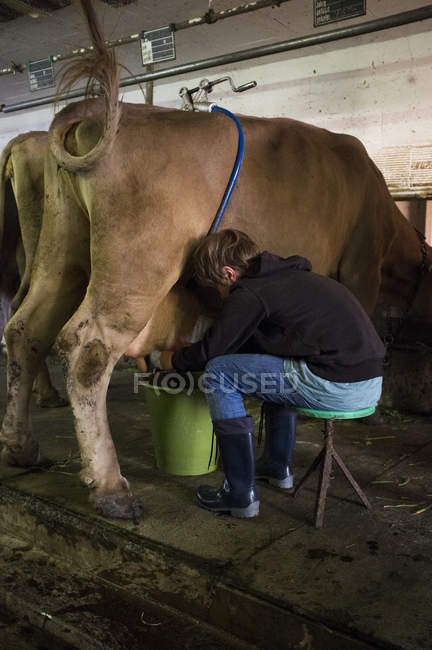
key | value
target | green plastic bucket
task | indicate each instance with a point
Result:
(182, 431)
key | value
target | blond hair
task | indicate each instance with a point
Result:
(224, 248)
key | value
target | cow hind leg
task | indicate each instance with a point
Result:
(90, 345)
(45, 394)
(29, 335)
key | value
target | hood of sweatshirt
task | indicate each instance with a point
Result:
(267, 263)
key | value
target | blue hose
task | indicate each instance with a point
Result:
(236, 169)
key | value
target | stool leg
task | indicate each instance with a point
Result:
(325, 474)
(312, 468)
(351, 479)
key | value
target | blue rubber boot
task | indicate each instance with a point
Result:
(274, 465)
(237, 494)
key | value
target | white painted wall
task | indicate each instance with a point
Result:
(35, 119)
(377, 87)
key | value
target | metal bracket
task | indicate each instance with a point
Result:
(15, 67)
(200, 101)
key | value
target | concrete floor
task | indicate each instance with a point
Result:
(363, 581)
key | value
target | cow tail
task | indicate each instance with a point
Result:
(100, 69)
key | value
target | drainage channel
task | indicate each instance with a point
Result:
(88, 584)
(43, 604)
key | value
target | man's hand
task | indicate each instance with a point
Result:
(181, 343)
(165, 360)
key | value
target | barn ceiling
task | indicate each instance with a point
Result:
(36, 29)
(60, 28)
(11, 9)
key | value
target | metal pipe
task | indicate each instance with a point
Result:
(33, 103)
(212, 16)
(367, 27)
(209, 18)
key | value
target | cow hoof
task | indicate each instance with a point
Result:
(43, 463)
(17, 457)
(51, 402)
(113, 506)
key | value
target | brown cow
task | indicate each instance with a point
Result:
(21, 207)
(130, 190)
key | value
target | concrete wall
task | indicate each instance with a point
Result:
(377, 87)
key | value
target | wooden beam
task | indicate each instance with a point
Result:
(428, 224)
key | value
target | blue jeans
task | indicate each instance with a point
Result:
(231, 377)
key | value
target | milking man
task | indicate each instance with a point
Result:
(285, 335)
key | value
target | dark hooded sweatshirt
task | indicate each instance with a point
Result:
(281, 308)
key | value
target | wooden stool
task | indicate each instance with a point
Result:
(326, 455)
